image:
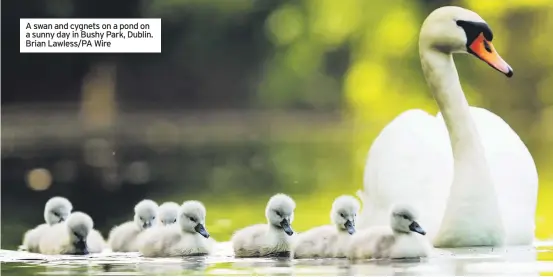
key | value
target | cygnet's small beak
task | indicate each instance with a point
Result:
(81, 248)
(349, 226)
(147, 224)
(286, 227)
(415, 227)
(201, 230)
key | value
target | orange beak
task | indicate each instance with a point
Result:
(484, 50)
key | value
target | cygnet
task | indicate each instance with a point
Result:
(186, 238)
(271, 239)
(330, 241)
(73, 237)
(405, 238)
(122, 238)
(168, 213)
(56, 210)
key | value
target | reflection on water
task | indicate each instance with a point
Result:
(536, 260)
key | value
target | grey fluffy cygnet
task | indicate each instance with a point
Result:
(404, 238)
(56, 210)
(122, 238)
(75, 236)
(271, 239)
(330, 241)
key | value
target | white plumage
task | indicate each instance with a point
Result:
(330, 241)
(471, 176)
(272, 239)
(403, 239)
(122, 238)
(187, 237)
(56, 210)
(74, 236)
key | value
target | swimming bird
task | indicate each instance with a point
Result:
(330, 241)
(186, 238)
(122, 238)
(271, 239)
(464, 167)
(72, 237)
(56, 210)
(168, 213)
(404, 238)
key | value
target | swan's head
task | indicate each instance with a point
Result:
(79, 226)
(457, 30)
(344, 212)
(168, 213)
(145, 213)
(192, 218)
(56, 210)
(280, 212)
(404, 220)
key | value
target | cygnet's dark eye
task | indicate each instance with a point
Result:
(342, 215)
(405, 217)
(141, 218)
(174, 220)
(57, 214)
(278, 213)
(153, 218)
(192, 219)
(76, 234)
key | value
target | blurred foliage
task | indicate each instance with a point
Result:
(355, 58)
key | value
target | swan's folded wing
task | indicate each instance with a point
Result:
(409, 162)
(514, 174)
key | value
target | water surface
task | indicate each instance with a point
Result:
(536, 260)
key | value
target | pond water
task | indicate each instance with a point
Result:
(536, 260)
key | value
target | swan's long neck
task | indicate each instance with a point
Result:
(472, 195)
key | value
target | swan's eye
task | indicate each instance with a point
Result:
(153, 218)
(278, 213)
(57, 214)
(342, 215)
(487, 46)
(405, 217)
(192, 219)
(175, 220)
(76, 234)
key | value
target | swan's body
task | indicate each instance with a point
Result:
(186, 238)
(74, 237)
(330, 241)
(469, 173)
(56, 210)
(404, 238)
(272, 239)
(122, 238)
(168, 213)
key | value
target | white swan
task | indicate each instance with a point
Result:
(186, 238)
(330, 241)
(122, 238)
(472, 178)
(272, 239)
(402, 239)
(74, 237)
(168, 213)
(56, 210)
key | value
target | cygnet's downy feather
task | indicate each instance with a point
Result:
(188, 237)
(122, 238)
(404, 238)
(56, 210)
(75, 236)
(168, 213)
(330, 241)
(271, 239)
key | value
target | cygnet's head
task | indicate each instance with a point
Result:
(79, 226)
(404, 220)
(56, 210)
(145, 213)
(456, 30)
(168, 213)
(280, 212)
(344, 212)
(192, 218)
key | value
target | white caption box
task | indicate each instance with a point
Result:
(90, 35)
